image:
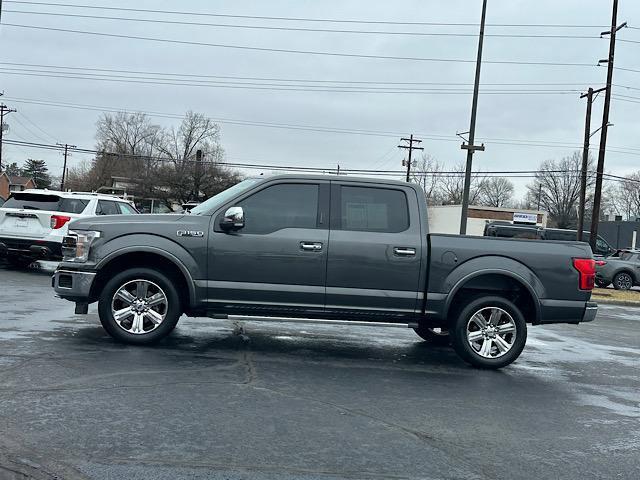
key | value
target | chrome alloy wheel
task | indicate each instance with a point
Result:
(139, 306)
(491, 332)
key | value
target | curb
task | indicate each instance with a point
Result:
(620, 303)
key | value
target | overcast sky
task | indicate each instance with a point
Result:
(555, 120)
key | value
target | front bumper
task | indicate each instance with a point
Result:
(73, 285)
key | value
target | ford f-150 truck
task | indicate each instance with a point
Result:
(325, 249)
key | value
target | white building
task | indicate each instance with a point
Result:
(446, 218)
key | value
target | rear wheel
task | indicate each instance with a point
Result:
(622, 281)
(436, 335)
(139, 306)
(489, 332)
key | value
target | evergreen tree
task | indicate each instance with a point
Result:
(13, 169)
(37, 169)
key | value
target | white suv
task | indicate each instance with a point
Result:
(34, 222)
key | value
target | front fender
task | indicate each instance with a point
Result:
(191, 262)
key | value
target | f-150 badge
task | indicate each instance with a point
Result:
(190, 233)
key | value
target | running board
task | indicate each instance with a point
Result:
(325, 321)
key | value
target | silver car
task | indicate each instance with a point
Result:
(622, 270)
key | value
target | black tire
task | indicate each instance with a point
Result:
(173, 309)
(463, 347)
(602, 283)
(19, 263)
(622, 281)
(436, 337)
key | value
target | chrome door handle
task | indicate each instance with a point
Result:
(311, 246)
(404, 251)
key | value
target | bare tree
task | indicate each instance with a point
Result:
(425, 173)
(128, 143)
(452, 186)
(187, 178)
(496, 192)
(557, 184)
(626, 196)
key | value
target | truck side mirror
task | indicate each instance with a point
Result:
(233, 219)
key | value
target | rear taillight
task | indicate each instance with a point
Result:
(59, 221)
(600, 263)
(586, 267)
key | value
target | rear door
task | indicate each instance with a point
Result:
(375, 248)
(277, 262)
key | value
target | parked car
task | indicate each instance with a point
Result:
(34, 222)
(2, 200)
(324, 249)
(622, 270)
(499, 229)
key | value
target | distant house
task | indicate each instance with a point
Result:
(14, 183)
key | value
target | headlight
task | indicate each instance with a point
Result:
(75, 246)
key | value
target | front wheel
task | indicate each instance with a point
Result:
(622, 281)
(139, 306)
(489, 332)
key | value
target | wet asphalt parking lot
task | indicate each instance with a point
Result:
(249, 400)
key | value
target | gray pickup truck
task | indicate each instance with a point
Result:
(323, 249)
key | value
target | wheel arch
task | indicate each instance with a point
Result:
(497, 282)
(145, 257)
(631, 273)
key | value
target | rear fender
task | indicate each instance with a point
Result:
(494, 265)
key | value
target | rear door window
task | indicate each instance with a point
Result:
(367, 209)
(127, 209)
(107, 207)
(49, 203)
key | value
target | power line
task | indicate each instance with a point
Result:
(286, 87)
(318, 128)
(37, 126)
(320, 170)
(297, 52)
(301, 29)
(451, 173)
(294, 19)
(29, 129)
(284, 79)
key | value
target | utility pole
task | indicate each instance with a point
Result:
(64, 166)
(585, 159)
(411, 148)
(198, 173)
(4, 110)
(595, 217)
(470, 147)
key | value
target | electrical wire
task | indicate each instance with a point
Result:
(300, 29)
(293, 19)
(506, 173)
(285, 87)
(284, 79)
(21, 114)
(320, 129)
(297, 52)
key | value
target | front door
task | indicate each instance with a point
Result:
(277, 262)
(375, 249)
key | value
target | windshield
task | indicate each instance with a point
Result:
(217, 200)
